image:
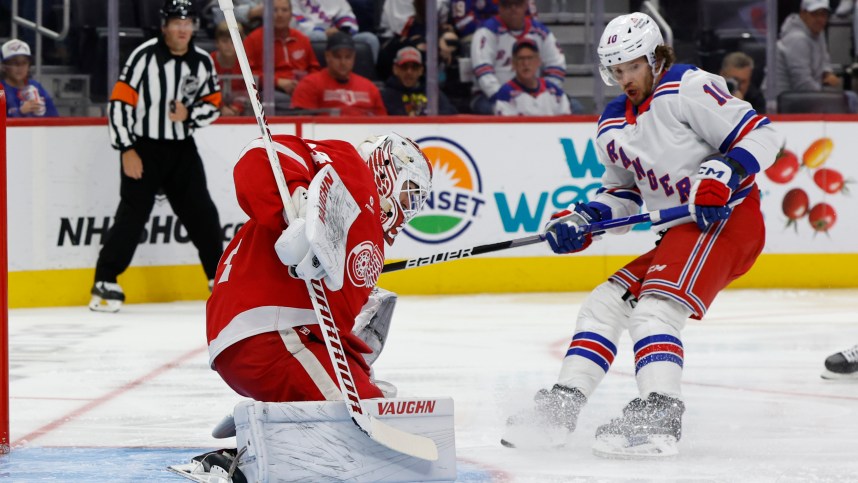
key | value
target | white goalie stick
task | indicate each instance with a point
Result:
(380, 432)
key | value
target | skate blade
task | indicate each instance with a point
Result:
(98, 304)
(193, 471)
(534, 437)
(834, 376)
(619, 447)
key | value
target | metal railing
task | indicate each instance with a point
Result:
(40, 29)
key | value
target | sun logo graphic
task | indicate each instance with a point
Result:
(457, 193)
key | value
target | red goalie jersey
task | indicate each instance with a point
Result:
(254, 292)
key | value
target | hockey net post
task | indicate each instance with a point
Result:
(4, 289)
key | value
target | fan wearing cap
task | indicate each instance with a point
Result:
(336, 86)
(527, 94)
(803, 60)
(404, 93)
(25, 97)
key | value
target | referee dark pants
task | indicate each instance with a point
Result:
(176, 168)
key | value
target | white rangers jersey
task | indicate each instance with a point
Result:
(653, 151)
(491, 53)
(514, 99)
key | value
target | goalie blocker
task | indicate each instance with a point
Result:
(317, 441)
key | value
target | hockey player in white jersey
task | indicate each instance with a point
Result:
(674, 137)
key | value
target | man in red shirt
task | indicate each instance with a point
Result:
(337, 87)
(293, 54)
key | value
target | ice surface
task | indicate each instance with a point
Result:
(117, 397)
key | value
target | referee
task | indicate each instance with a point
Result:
(167, 89)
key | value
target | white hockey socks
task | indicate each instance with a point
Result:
(655, 327)
(601, 320)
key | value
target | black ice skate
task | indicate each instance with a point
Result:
(554, 416)
(842, 365)
(106, 297)
(648, 428)
(219, 466)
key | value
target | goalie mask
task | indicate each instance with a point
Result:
(626, 38)
(403, 177)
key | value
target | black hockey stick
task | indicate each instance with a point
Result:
(656, 217)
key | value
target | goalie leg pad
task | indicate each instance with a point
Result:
(317, 441)
(373, 322)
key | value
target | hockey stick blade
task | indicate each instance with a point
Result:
(384, 434)
(401, 441)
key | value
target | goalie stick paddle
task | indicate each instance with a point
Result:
(382, 433)
(656, 217)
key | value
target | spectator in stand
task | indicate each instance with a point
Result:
(24, 96)
(320, 19)
(249, 13)
(527, 94)
(404, 94)
(737, 69)
(294, 57)
(803, 60)
(336, 86)
(407, 24)
(234, 93)
(491, 51)
(469, 15)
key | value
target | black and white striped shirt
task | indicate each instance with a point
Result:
(152, 77)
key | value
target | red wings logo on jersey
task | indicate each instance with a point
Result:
(364, 264)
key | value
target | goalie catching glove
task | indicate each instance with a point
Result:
(566, 233)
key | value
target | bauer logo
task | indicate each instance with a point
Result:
(457, 193)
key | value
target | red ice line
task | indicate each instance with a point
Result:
(53, 425)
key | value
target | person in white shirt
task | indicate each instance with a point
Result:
(527, 94)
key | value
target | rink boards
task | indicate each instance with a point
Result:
(495, 180)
